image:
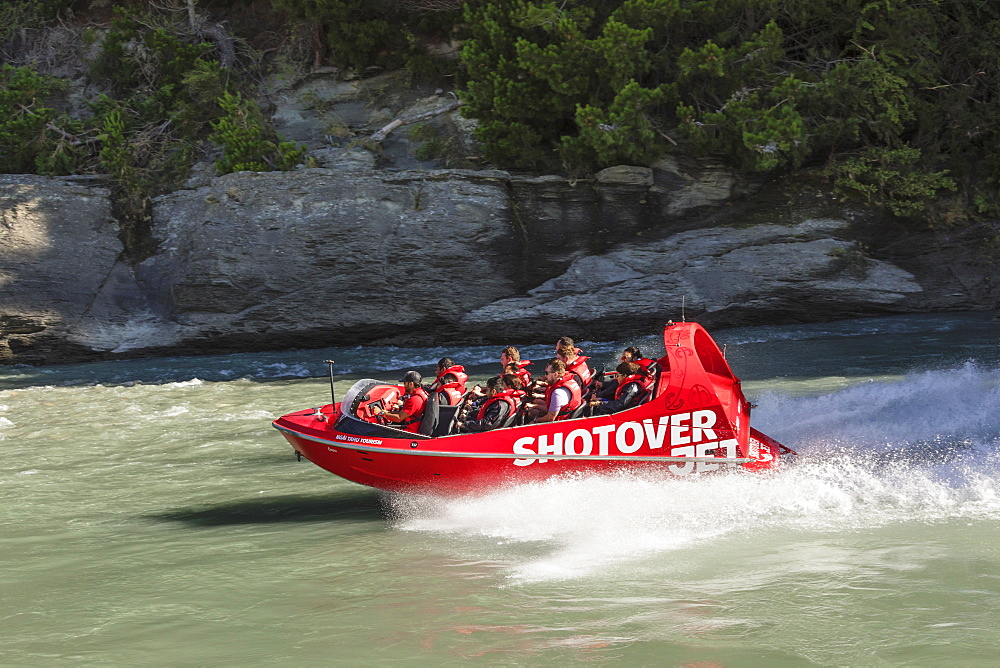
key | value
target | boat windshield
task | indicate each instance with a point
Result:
(356, 395)
(353, 410)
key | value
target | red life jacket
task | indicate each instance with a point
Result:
(453, 391)
(412, 423)
(645, 382)
(646, 364)
(459, 372)
(580, 368)
(509, 396)
(524, 374)
(576, 394)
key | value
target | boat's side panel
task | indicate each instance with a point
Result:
(411, 472)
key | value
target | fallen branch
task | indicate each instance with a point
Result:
(416, 118)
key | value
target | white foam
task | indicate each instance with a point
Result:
(924, 449)
(955, 404)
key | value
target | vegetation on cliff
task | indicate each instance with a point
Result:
(895, 101)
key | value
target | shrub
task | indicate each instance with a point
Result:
(246, 144)
(35, 138)
(892, 178)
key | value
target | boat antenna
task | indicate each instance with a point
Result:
(333, 395)
(683, 304)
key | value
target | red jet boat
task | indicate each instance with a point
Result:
(695, 421)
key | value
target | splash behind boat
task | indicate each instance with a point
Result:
(695, 421)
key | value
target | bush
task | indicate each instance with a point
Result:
(246, 144)
(34, 138)
(892, 178)
(547, 79)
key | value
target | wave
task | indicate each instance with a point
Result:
(931, 409)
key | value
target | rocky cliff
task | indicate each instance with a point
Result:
(340, 256)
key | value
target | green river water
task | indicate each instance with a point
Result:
(151, 515)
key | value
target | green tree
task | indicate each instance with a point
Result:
(353, 31)
(896, 96)
(34, 138)
(550, 78)
(246, 144)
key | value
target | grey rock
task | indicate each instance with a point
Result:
(350, 255)
(349, 158)
(324, 257)
(67, 293)
(625, 175)
(719, 275)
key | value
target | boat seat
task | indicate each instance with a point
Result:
(510, 420)
(429, 423)
(447, 416)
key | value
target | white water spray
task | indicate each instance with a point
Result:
(923, 449)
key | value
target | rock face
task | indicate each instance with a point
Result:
(333, 256)
(65, 292)
(322, 257)
(725, 276)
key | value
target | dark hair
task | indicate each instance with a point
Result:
(628, 368)
(634, 352)
(449, 378)
(412, 377)
(445, 362)
(512, 352)
(565, 341)
(512, 381)
(493, 383)
(512, 367)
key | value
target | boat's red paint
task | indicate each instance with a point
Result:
(697, 422)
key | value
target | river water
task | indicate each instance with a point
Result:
(150, 514)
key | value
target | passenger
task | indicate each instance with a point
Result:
(609, 388)
(605, 385)
(450, 382)
(511, 355)
(633, 387)
(503, 399)
(567, 341)
(449, 392)
(633, 354)
(446, 365)
(563, 393)
(410, 414)
(576, 363)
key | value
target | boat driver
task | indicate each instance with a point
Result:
(410, 414)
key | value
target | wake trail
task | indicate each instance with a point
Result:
(923, 449)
